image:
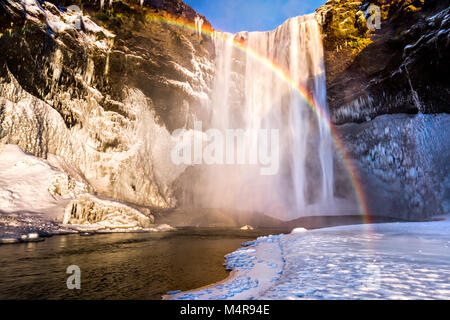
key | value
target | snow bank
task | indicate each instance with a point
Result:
(43, 197)
(383, 261)
(28, 183)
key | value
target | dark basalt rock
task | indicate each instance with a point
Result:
(401, 68)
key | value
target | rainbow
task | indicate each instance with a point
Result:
(299, 88)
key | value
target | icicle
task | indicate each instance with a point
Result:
(198, 25)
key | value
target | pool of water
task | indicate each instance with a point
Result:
(120, 266)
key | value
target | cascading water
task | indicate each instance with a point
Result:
(249, 94)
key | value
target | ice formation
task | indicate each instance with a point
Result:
(406, 159)
(38, 197)
(198, 25)
(118, 152)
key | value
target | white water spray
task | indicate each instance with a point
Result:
(250, 95)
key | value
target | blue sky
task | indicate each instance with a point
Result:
(251, 15)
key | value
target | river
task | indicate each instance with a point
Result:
(121, 265)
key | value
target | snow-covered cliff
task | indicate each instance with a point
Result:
(104, 101)
(102, 90)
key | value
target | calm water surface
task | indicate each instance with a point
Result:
(119, 266)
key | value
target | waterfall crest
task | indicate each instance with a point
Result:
(250, 95)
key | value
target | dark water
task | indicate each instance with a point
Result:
(119, 266)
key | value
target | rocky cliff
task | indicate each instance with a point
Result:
(103, 90)
(394, 82)
(402, 67)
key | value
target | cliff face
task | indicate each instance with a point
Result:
(103, 91)
(388, 92)
(400, 68)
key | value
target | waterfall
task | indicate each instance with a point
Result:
(249, 94)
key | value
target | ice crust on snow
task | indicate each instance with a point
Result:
(382, 261)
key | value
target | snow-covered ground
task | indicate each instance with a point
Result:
(382, 261)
